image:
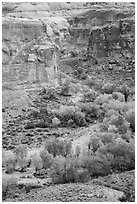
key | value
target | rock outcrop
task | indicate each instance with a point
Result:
(33, 46)
(34, 38)
(113, 40)
(102, 28)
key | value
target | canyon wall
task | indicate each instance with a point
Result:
(113, 40)
(36, 37)
(33, 47)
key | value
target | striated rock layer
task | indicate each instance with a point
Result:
(34, 46)
(112, 39)
(35, 36)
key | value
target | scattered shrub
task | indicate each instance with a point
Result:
(49, 92)
(118, 96)
(47, 158)
(107, 137)
(108, 88)
(91, 110)
(130, 105)
(111, 112)
(70, 114)
(104, 127)
(58, 147)
(79, 118)
(124, 156)
(90, 82)
(55, 121)
(21, 150)
(89, 96)
(120, 123)
(71, 123)
(45, 115)
(96, 165)
(95, 143)
(112, 129)
(34, 114)
(80, 73)
(66, 170)
(127, 136)
(9, 162)
(65, 113)
(125, 90)
(77, 151)
(9, 185)
(74, 53)
(103, 98)
(65, 87)
(130, 117)
(117, 106)
(101, 115)
(36, 163)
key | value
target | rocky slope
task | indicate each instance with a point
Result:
(112, 188)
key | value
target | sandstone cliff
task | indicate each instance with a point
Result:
(33, 46)
(36, 35)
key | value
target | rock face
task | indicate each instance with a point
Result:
(102, 31)
(116, 38)
(34, 38)
(33, 46)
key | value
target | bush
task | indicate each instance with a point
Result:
(90, 82)
(9, 184)
(49, 92)
(130, 117)
(47, 158)
(112, 129)
(91, 110)
(34, 114)
(58, 147)
(65, 87)
(118, 96)
(117, 106)
(66, 170)
(111, 112)
(108, 88)
(107, 137)
(9, 162)
(79, 118)
(120, 123)
(103, 98)
(77, 151)
(36, 163)
(45, 115)
(122, 155)
(55, 121)
(95, 143)
(80, 73)
(125, 90)
(97, 165)
(21, 152)
(104, 127)
(89, 96)
(65, 113)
